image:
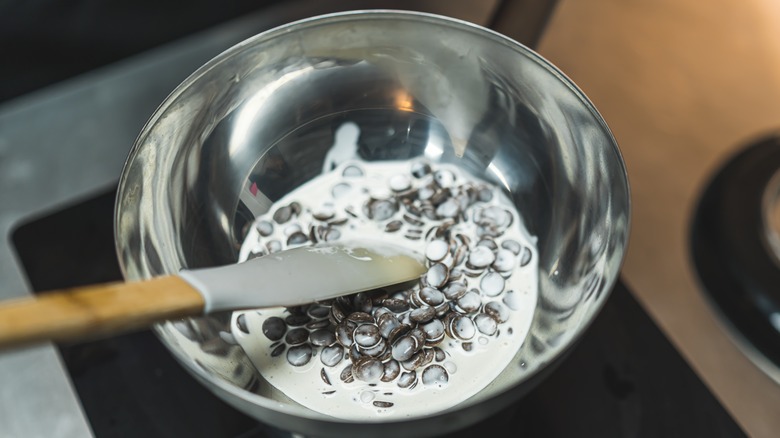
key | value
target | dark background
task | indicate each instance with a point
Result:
(47, 41)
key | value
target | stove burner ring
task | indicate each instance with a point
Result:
(735, 248)
(770, 209)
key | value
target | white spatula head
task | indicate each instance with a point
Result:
(305, 274)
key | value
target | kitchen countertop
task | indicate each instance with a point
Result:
(683, 85)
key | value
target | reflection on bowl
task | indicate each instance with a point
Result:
(260, 120)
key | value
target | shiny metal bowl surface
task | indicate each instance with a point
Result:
(417, 85)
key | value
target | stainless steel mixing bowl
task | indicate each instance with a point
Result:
(259, 120)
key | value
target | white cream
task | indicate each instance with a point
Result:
(469, 372)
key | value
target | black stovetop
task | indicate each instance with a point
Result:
(623, 379)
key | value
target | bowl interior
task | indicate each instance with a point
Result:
(262, 118)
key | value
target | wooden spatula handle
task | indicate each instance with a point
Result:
(96, 311)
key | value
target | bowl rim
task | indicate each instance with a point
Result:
(371, 14)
